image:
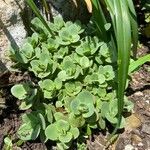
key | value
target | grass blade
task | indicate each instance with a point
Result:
(124, 47)
(122, 28)
(134, 25)
(38, 14)
(99, 19)
(135, 64)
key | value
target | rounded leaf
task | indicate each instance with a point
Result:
(74, 107)
(101, 78)
(58, 83)
(66, 138)
(75, 132)
(84, 62)
(102, 123)
(59, 116)
(28, 131)
(62, 75)
(25, 105)
(90, 111)
(51, 132)
(47, 94)
(27, 50)
(85, 97)
(47, 84)
(76, 121)
(62, 125)
(19, 91)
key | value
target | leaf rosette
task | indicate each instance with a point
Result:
(83, 104)
(61, 131)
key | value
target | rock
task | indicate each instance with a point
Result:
(10, 10)
(139, 93)
(11, 21)
(12, 30)
(146, 128)
(129, 147)
(18, 33)
(140, 144)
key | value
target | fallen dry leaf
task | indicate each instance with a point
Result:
(89, 5)
(136, 139)
(133, 122)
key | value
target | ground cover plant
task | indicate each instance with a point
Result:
(74, 88)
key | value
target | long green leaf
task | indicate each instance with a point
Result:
(135, 64)
(121, 21)
(123, 38)
(38, 14)
(99, 19)
(134, 25)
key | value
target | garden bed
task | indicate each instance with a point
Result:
(135, 135)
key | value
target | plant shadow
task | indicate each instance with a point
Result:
(72, 10)
(12, 41)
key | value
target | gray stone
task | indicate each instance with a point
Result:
(18, 33)
(146, 128)
(12, 30)
(129, 147)
(10, 10)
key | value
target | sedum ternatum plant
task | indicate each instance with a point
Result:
(73, 89)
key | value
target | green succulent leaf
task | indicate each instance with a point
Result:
(66, 138)
(62, 125)
(102, 123)
(83, 104)
(19, 91)
(58, 24)
(27, 50)
(76, 121)
(51, 132)
(42, 121)
(75, 132)
(25, 105)
(69, 35)
(28, 131)
(108, 72)
(58, 83)
(73, 88)
(49, 112)
(59, 116)
(62, 75)
(84, 62)
(47, 85)
(30, 128)
(89, 46)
